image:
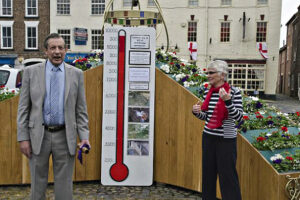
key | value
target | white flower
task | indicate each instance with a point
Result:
(165, 68)
(178, 77)
(254, 98)
(277, 157)
(268, 134)
(186, 84)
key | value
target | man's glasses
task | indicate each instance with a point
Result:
(210, 73)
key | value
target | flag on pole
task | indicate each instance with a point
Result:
(192, 46)
(263, 50)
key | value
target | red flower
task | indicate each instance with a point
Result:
(260, 139)
(182, 64)
(298, 114)
(83, 59)
(269, 117)
(204, 69)
(171, 63)
(284, 129)
(257, 113)
(13, 91)
(299, 133)
(259, 116)
(174, 52)
(206, 85)
(196, 75)
(245, 117)
(289, 158)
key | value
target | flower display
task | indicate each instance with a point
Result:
(276, 140)
(88, 61)
(286, 161)
(6, 93)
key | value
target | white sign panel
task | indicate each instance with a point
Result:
(140, 57)
(128, 106)
(139, 41)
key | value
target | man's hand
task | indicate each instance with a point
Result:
(25, 147)
(197, 108)
(84, 142)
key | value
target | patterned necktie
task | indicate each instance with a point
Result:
(54, 94)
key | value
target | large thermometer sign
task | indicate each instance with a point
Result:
(128, 106)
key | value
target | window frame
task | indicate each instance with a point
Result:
(36, 7)
(63, 8)
(31, 24)
(96, 39)
(151, 3)
(192, 3)
(7, 24)
(259, 33)
(63, 35)
(262, 2)
(98, 7)
(226, 38)
(190, 37)
(127, 3)
(11, 8)
(224, 2)
(246, 67)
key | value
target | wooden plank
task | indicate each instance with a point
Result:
(16, 155)
(161, 137)
(5, 141)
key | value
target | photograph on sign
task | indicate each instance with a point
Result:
(138, 148)
(138, 98)
(138, 131)
(138, 86)
(139, 74)
(140, 41)
(139, 57)
(138, 114)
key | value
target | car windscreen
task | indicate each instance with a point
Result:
(4, 77)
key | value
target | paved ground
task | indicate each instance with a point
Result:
(285, 104)
(94, 190)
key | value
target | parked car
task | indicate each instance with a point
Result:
(10, 78)
(32, 61)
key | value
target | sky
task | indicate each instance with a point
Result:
(289, 8)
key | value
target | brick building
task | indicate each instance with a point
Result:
(23, 27)
(289, 67)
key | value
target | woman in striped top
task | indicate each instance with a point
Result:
(221, 108)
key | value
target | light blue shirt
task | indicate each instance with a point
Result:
(61, 88)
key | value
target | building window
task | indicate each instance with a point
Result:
(31, 8)
(97, 39)
(66, 35)
(193, 2)
(127, 3)
(31, 34)
(248, 77)
(262, 1)
(225, 32)
(192, 31)
(63, 7)
(226, 2)
(151, 3)
(6, 7)
(6, 34)
(261, 32)
(98, 7)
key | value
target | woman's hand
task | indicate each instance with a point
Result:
(197, 108)
(224, 95)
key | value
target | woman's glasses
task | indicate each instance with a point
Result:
(210, 73)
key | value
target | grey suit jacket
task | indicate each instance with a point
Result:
(30, 110)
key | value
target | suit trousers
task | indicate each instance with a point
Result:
(219, 158)
(54, 143)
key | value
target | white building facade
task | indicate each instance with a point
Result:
(222, 29)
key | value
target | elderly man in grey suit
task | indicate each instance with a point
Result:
(52, 111)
